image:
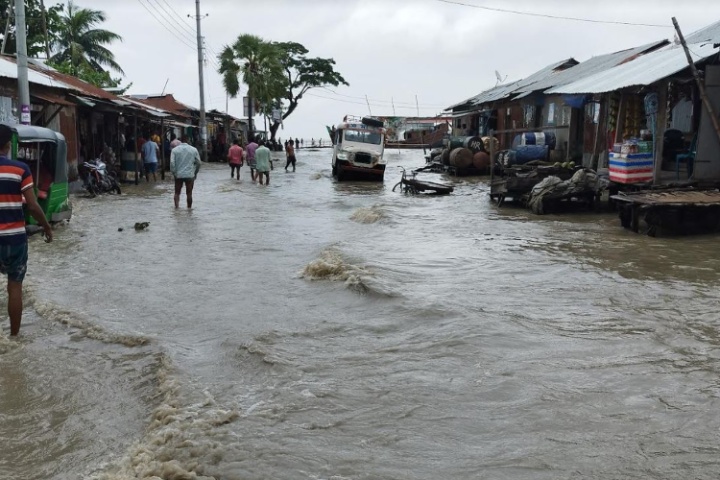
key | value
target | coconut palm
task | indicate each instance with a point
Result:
(257, 63)
(80, 43)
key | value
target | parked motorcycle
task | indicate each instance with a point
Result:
(98, 179)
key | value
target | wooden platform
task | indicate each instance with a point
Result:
(677, 212)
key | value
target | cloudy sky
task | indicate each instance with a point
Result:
(392, 51)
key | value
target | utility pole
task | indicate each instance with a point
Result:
(203, 121)
(22, 67)
(45, 30)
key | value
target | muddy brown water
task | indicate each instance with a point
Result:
(318, 330)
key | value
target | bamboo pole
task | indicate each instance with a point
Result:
(695, 74)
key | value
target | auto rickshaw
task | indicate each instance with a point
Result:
(45, 152)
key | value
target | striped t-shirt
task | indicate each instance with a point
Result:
(15, 178)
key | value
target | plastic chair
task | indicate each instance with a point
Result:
(688, 158)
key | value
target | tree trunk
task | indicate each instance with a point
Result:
(273, 130)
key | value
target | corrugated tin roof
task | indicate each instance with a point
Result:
(644, 70)
(711, 33)
(505, 90)
(588, 67)
(8, 69)
(165, 102)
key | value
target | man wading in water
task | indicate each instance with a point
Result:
(184, 165)
(16, 183)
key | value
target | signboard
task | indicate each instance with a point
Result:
(25, 115)
(246, 103)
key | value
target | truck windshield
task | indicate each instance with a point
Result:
(361, 136)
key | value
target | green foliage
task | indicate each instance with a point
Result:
(275, 72)
(34, 26)
(100, 79)
(81, 44)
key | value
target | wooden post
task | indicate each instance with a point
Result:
(695, 74)
(137, 156)
(660, 124)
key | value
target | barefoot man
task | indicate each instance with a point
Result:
(184, 165)
(16, 183)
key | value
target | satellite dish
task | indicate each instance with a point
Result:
(499, 77)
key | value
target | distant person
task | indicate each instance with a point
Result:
(140, 142)
(290, 153)
(150, 151)
(235, 158)
(184, 165)
(16, 184)
(313, 141)
(301, 142)
(155, 137)
(297, 142)
(262, 163)
(250, 149)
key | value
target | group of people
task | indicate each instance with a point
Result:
(259, 159)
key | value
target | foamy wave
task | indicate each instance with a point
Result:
(7, 344)
(331, 266)
(368, 215)
(54, 313)
(181, 441)
(316, 176)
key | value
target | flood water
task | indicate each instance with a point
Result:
(317, 330)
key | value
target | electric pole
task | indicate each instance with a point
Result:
(22, 66)
(203, 121)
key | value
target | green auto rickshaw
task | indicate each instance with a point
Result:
(45, 152)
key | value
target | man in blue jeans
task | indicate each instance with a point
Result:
(16, 184)
(150, 151)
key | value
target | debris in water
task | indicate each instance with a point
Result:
(142, 225)
(120, 229)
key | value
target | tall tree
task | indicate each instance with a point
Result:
(81, 44)
(302, 74)
(258, 62)
(34, 26)
(275, 72)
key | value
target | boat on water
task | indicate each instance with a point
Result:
(358, 147)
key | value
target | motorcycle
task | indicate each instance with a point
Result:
(98, 179)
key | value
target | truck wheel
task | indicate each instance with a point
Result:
(340, 173)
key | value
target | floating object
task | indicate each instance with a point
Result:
(120, 229)
(141, 225)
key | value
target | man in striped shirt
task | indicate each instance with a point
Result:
(16, 184)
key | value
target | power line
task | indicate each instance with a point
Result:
(414, 107)
(183, 21)
(165, 26)
(555, 17)
(163, 18)
(388, 102)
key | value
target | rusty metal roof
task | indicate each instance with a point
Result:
(165, 102)
(644, 70)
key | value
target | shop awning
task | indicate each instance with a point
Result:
(52, 98)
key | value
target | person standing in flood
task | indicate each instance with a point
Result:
(184, 165)
(290, 153)
(16, 184)
(150, 151)
(250, 149)
(235, 158)
(262, 163)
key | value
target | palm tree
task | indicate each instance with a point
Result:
(80, 44)
(258, 63)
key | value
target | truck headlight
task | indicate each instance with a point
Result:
(342, 155)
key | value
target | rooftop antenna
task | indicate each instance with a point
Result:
(500, 78)
(165, 86)
(368, 104)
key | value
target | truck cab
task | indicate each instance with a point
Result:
(358, 147)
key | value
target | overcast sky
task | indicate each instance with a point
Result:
(389, 50)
